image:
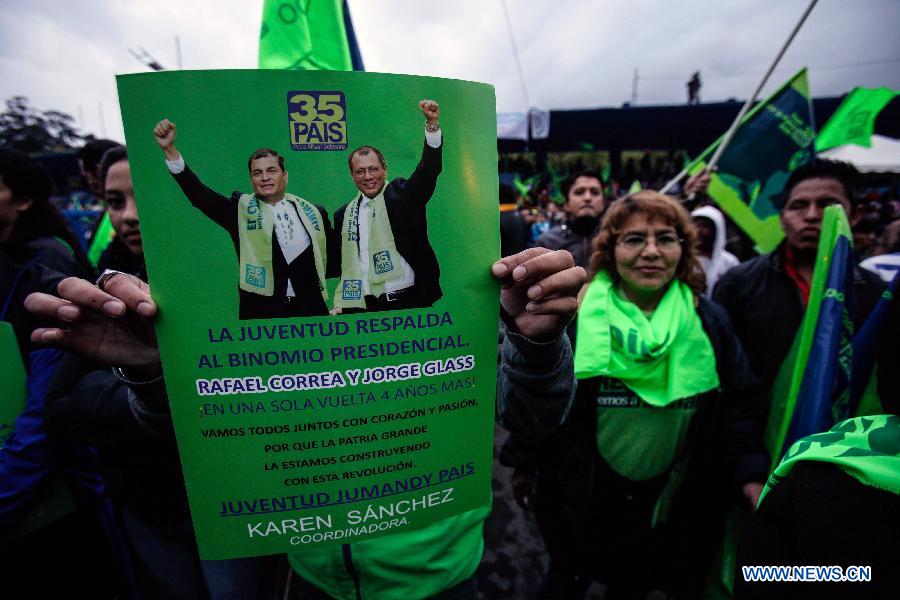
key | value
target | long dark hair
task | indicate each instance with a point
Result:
(26, 178)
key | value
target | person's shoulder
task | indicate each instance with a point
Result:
(714, 317)
(56, 254)
(751, 267)
(552, 237)
(743, 274)
(712, 310)
(51, 245)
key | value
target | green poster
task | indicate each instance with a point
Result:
(297, 427)
(12, 381)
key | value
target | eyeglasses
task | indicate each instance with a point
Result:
(636, 243)
(369, 170)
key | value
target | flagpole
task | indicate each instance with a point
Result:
(751, 100)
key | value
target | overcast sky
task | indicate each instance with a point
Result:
(63, 54)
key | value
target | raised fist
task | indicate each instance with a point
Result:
(430, 109)
(165, 137)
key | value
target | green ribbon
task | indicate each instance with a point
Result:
(662, 359)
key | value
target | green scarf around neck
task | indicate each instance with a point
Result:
(383, 258)
(663, 358)
(866, 448)
(256, 223)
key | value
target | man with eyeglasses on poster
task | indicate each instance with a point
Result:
(387, 262)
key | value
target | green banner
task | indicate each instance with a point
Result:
(326, 429)
(12, 381)
(854, 120)
(772, 140)
(304, 35)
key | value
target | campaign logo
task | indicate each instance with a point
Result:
(318, 120)
(255, 276)
(352, 289)
(382, 262)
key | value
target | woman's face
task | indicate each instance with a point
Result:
(120, 204)
(647, 254)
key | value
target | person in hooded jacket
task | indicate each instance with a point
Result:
(711, 252)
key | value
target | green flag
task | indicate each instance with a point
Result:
(307, 35)
(606, 172)
(524, 187)
(556, 188)
(772, 140)
(103, 235)
(854, 120)
(635, 187)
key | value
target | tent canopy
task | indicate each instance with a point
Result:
(882, 157)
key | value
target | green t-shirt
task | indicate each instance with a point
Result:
(639, 441)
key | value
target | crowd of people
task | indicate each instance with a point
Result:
(638, 361)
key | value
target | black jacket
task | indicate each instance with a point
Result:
(406, 201)
(302, 270)
(723, 450)
(568, 237)
(86, 404)
(766, 309)
(38, 267)
(820, 515)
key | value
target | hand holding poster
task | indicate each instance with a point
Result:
(327, 330)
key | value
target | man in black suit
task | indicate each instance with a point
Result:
(281, 239)
(387, 262)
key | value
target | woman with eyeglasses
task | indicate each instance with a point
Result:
(666, 424)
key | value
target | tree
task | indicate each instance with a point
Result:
(30, 130)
